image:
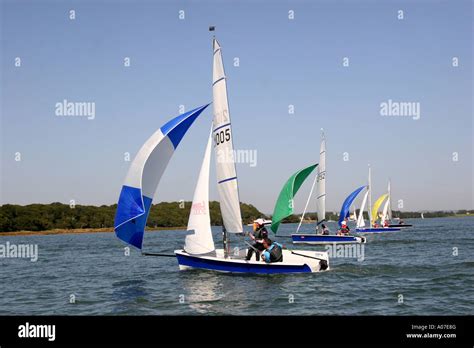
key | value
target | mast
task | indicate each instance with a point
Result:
(389, 216)
(369, 186)
(321, 187)
(227, 182)
(225, 237)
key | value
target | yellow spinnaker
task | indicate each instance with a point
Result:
(376, 207)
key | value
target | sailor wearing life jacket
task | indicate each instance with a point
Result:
(273, 251)
(345, 230)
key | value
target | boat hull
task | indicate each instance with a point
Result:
(400, 225)
(237, 264)
(325, 239)
(377, 230)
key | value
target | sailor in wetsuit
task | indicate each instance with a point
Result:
(258, 235)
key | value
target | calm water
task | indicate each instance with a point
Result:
(417, 264)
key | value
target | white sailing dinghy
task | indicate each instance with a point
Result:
(320, 181)
(372, 212)
(387, 211)
(199, 250)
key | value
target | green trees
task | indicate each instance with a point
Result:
(40, 217)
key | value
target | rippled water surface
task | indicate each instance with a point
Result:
(416, 265)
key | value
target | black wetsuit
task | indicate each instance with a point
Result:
(259, 234)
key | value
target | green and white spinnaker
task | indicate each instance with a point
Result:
(284, 205)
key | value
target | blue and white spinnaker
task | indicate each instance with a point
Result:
(144, 175)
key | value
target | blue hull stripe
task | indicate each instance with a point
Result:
(376, 230)
(225, 180)
(316, 238)
(228, 266)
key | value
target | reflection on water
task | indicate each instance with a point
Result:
(202, 289)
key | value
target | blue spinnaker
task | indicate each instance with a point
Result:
(347, 204)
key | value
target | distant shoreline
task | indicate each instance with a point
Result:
(110, 229)
(80, 230)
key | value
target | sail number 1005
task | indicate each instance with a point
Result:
(222, 136)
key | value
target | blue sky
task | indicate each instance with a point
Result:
(282, 62)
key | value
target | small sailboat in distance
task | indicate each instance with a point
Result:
(373, 213)
(387, 211)
(199, 250)
(320, 181)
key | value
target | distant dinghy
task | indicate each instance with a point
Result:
(387, 211)
(320, 181)
(372, 212)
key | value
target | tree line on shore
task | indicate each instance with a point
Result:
(42, 217)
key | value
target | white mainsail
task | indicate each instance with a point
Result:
(385, 212)
(360, 220)
(201, 242)
(321, 181)
(227, 185)
(369, 190)
(389, 216)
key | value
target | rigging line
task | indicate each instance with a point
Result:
(158, 254)
(310, 257)
(307, 202)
